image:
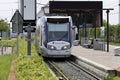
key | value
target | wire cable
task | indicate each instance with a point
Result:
(112, 3)
(3, 3)
(112, 13)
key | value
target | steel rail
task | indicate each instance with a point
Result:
(59, 73)
(86, 71)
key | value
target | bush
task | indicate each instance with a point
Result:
(8, 43)
(31, 68)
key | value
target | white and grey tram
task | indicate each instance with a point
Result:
(54, 36)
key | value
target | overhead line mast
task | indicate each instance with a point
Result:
(119, 11)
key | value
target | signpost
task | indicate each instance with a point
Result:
(26, 17)
(28, 12)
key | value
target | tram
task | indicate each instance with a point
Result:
(54, 36)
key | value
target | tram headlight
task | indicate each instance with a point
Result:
(65, 47)
(51, 47)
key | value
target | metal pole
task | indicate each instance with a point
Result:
(95, 31)
(29, 41)
(107, 30)
(2, 50)
(107, 11)
(17, 52)
(85, 32)
(95, 28)
(119, 12)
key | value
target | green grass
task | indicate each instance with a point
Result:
(5, 63)
(31, 68)
(116, 78)
(115, 43)
(7, 42)
(5, 60)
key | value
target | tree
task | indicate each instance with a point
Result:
(4, 27)
(105, 23)
(112, 29)
(117, 33)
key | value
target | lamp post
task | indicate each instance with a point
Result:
(108, 11)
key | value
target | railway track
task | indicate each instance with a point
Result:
(68, 70)
(89, 74)
(59, 73)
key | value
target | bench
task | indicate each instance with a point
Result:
(117, 51)
(89, 44)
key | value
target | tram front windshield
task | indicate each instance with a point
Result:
(58, 31)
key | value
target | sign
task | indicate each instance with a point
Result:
(17, 22)
(26, 29)
(28, 12)
(81, 26)
(102, 31)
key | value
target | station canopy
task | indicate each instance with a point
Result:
(90, 12)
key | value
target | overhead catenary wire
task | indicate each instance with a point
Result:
(3, 3)
(40, 4)
(113, 3)
(5, 10)
(112, 13)
(119, 12)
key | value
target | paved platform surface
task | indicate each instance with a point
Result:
(107, 59)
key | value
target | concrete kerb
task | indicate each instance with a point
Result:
(99, 70)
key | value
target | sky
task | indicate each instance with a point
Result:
(8, 7)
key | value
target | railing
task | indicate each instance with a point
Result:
(4, 48)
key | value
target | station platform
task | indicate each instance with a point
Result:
(102, 59)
